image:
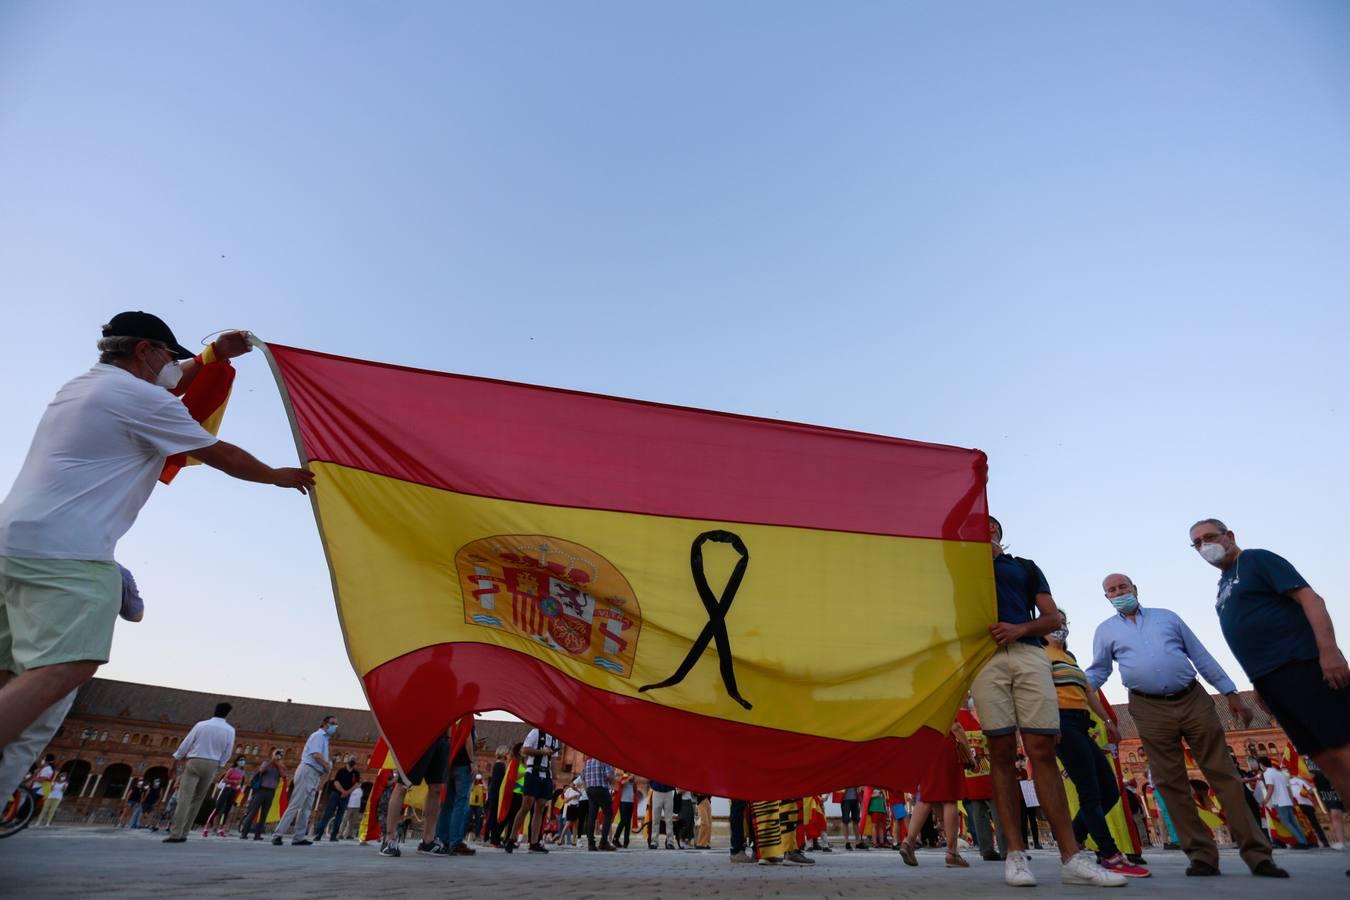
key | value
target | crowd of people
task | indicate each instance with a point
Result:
(105, 440)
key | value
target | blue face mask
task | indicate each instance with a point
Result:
(1126, 603)
(332, 729)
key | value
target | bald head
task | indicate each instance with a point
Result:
(1116, 584)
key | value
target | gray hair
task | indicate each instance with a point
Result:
(1223, 529)
(116, 347)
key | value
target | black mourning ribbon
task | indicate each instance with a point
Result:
(717, 608)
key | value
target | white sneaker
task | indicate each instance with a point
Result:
(1082, 868)
(1337, 846)
(1017, 870)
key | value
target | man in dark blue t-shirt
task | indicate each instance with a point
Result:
(1281, 633)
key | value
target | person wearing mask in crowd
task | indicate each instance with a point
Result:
(1280, 631)
(94, 459)
(1280, 801)
(230, 786)
(344, 781)
(1159, 657)
(149, 798)
(1014, 693)
(309, 773)
(203, 753)
(264, 788)
(452, 820)
(132, 804)
(1083, 760)
(351, 819)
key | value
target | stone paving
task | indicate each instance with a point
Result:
(107, 863)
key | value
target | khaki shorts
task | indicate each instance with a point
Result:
(56, 611)
(1015, 692)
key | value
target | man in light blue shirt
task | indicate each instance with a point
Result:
(1158, 657)
(308, 775)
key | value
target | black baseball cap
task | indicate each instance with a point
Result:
(144, 325)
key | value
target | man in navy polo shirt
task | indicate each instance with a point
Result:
(1281, 633)
(1015, 692)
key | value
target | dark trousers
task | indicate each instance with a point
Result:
(259, 803)
(1031, 829)
(624, 824)
(490, 819)
(500, 827)
(332, 810)
(1311, 813)
(599, 803)
(1092, 777)
(737, 827)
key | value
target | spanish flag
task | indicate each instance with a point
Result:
(805, 605)
(205, 399)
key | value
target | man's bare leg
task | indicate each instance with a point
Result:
(1007, 792)
(1050, 789)
(24, 698)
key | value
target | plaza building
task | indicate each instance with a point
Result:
(119, 730)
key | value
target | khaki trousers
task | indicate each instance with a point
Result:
(703, 837)
(198, 776)
(1162, 724)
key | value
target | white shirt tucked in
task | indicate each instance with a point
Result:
(93, 462)
(354, 798)
(209, 739)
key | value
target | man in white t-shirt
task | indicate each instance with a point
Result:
(351, 819)
(94, 459)
(538, 749)
(1279, 798)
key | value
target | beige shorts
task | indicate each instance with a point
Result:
(56, 611)
(1015, 692)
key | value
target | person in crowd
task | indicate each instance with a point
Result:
(503, 830)
(1305, 798)
(264, 789)
(1159, 656)
(850, 816)
(539, 748)
(565, 802)
(736, 821)
(1333, 802)
(900, 820)
(433, 769)
(623, 824)
(1083, 760)
(344, 781)
(229, 789)
(495, 778)
(1014, 693)
(684, 820)
(776, 833)
(477, 806)
(92, 464)
(703, 828)
(131, 803)
(940, 790)
(1136, 811)
(52, 801)
(979, 792)
(453, 818)
(1031, 804)
(876, 818)
(351, 818)
(203, 753)
(1281, 801)
(663, 814)
(598, 776)
(149, 799)
(1280, 631)
(309, 773)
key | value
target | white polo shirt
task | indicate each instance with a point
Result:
(211, 738)
(93, 462)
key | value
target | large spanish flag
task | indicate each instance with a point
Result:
(805, 606)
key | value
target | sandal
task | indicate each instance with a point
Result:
(956, 861)
(907, 854)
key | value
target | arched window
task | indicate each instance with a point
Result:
(77, 770)
(115, 778)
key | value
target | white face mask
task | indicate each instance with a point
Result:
(169, 376)
(1213, 553)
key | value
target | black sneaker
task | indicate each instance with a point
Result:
(303, 842)
(538, 848)
(848, 846)
(509, 846)
(1267, 869)
(388, 849)
(440, 850)
(257, 837)
(174, 840)
(276, 840)
(426, 846)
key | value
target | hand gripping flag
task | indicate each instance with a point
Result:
(807, 606)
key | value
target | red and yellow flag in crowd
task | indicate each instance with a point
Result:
(804, 606)
(205, 399)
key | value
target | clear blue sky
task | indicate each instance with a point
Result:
(1108, 246)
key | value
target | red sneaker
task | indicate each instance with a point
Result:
(1122, 866)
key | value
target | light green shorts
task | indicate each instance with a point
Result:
(56, 610)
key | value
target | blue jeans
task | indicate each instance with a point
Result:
(737, 827)
(333, 810)
(453, 818)
(1286, 814)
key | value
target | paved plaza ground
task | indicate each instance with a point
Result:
(102, 862)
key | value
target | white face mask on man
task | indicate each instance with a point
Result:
(169, 376)
(1213, 553)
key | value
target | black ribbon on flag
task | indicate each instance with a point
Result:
(717, 607)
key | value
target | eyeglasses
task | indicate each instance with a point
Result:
(1211, 538)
